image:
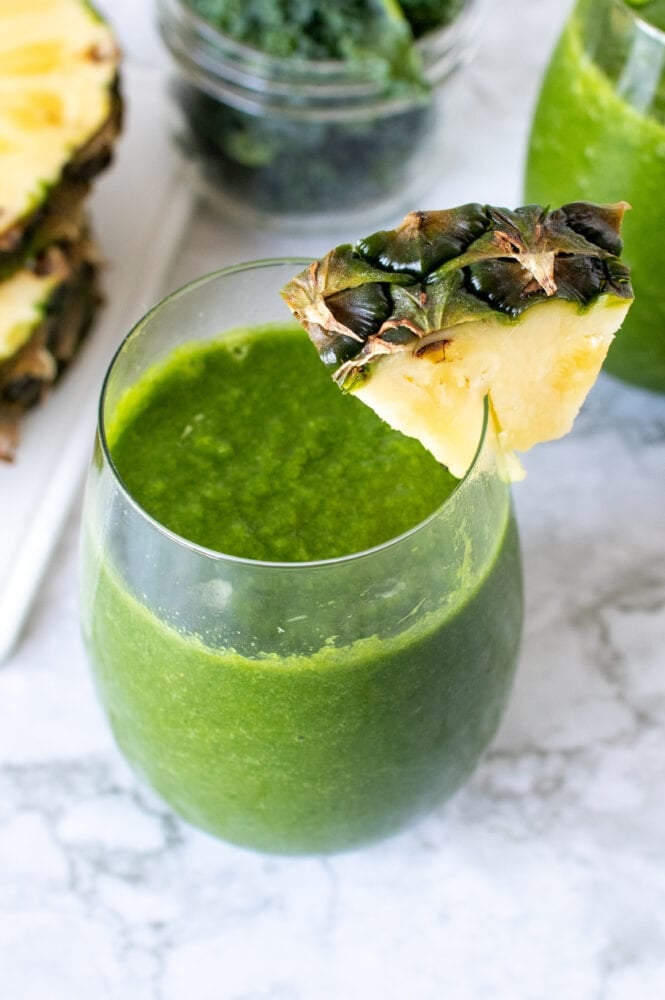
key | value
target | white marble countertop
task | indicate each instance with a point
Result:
(544, 879)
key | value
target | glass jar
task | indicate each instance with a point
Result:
(301, 706)
(599, 135)
(306, 145)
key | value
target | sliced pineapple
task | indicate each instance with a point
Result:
(45, 310)
(59, 111)
(23, 301)
(425, 321)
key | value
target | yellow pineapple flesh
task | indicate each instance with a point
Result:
(58, 94)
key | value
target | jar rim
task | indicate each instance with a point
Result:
(250, 79)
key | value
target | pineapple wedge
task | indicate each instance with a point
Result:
(425, 321)
(59, 115)
(45, 311)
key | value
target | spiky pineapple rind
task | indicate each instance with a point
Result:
(473, 306)
(402, 288)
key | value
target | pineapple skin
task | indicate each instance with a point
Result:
(47, 310)
(426, 321)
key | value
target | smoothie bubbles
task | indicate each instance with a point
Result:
(599, 132)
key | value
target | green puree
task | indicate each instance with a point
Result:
(590, 143)
(289, 708)
(255, 452)
(299, 754)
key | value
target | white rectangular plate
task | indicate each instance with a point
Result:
(140, 209)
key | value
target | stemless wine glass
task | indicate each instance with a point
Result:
(294, 707)
(599, 134)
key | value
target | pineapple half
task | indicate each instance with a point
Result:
(425, 321)
(45, 311)
(59, 117)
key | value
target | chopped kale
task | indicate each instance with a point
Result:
(359, 30)
(299, 27)
(285, 166)
(425, 15)
(282, 163)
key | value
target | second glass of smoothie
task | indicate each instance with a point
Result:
(302, 628)
(599, 133)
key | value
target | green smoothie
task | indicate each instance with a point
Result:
(279, 475)
(599, 134)
(293, 708)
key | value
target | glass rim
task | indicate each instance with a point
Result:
(641, 22)
(214, 554)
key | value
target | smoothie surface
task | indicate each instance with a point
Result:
(245, 445)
